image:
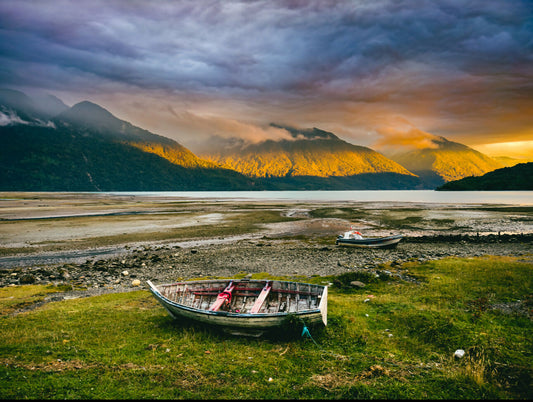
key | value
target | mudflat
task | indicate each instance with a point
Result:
(109, 240)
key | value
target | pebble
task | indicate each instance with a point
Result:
(278, 257)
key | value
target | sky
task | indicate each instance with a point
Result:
(378, 73)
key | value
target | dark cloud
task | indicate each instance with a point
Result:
(431, 62)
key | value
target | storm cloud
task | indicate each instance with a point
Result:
(461, 69)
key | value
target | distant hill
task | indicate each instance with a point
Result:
(312, 159)
(518, 177)
(445, 162)
(507, 161)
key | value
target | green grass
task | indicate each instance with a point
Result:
(389, 340)
(339, 213)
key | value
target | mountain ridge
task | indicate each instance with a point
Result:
(96, 119)
(86, 148)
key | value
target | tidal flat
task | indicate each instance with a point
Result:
(50, 238)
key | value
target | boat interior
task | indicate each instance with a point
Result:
(245, 296)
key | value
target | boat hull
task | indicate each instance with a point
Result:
(242, 323)
(372, 242)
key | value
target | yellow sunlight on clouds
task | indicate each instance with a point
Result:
(518, 149)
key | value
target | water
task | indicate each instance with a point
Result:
(422, 196)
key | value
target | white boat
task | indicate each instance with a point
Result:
(354, 238)
(245, 306)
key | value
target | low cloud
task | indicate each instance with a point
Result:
(9, 117)
(403, 136)
(201, 129)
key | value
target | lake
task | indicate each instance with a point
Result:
(423, 196)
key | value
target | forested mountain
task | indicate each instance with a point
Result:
(517, 178)
(49, 159)
(312, 159)
(86, 148)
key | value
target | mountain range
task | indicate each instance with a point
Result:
(49, 146)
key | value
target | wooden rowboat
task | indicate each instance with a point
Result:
(245, 306)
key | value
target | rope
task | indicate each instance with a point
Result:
(305, 332)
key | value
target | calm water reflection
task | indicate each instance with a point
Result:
(429, 196)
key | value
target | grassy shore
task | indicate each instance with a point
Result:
(391, 339)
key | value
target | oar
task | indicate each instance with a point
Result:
(224, 296)
(261, 298)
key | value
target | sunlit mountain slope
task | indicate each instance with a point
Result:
(310, 152)
(447, 161)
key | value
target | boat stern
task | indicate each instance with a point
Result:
(323, 306)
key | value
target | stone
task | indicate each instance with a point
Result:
(357, 284)
(27, 279)
(459, 353)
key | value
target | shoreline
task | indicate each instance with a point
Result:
(91, 240)
(278, 257)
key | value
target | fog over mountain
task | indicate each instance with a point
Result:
(16, 107)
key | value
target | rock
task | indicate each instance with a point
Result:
(357, 284)
(125, 273)
(459, 353)
(136, 282)
(27, 279)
